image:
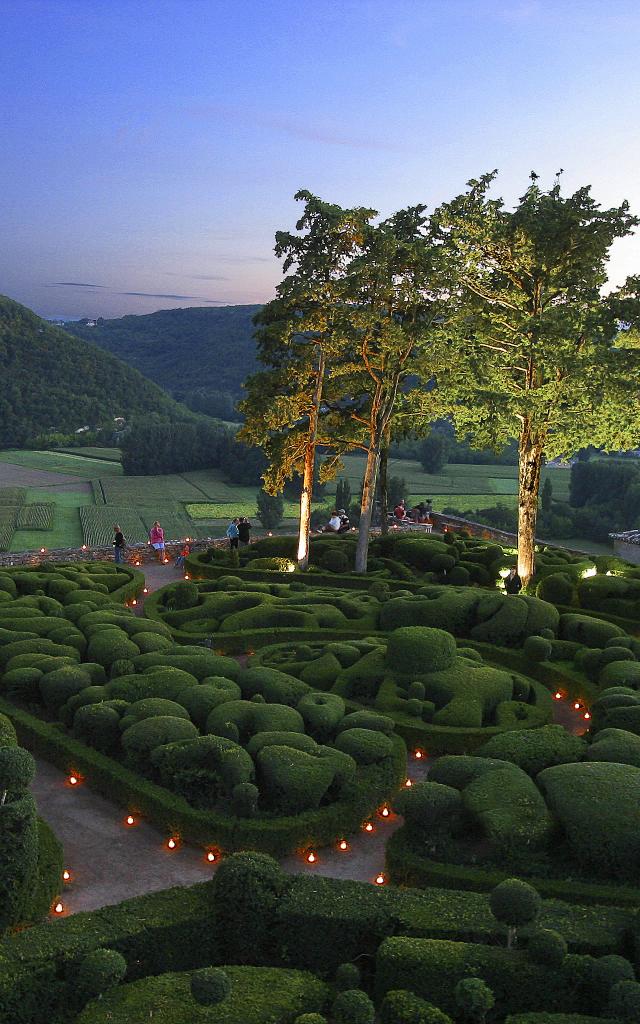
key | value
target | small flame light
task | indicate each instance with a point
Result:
(130, 820)
(211, 857)
(84, 547)
(66, 875)
(577, 705)
(587, 716)
(557, 695)
(145, 590)
(380, 879)
(172, 843)
(368, 827)
(269, 534)
(408, 784)
(311, 857)
(134, 602)
(384, 812)
(59, 908)
(73, 780)
(343, 845)
(137, 563)
(42, 551)
(418, 754)
(187, 577)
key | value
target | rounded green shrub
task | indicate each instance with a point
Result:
(367, 720)
(310, 1018)
(557, 588)
(548, 947)
(56, 687)
(99, 726)
(347, 977)
(604, 973)
(245, 800)
(535, 749)
(537, 649)
(588, 631)
(428, 807)
(364, 745)
(414, 650)
(322, 713)
(111, 645)
(402, 1007)
(514, 903)
(152, 707)
(183, 595)
(624, 1002)
(144, 737)
(99, 971)
(335, 560)
(121, 667)
(22, 684)
(474, 998)
(210, 986)
(459, 576)
(414, 707)
(245, 894)
(200, 701)
(353, 1006)
(17, 770)
(416, 690)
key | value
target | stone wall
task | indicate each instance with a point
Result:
(630, 552)
(137, 554)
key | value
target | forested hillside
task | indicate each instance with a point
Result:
(200, 355)
(50, 381)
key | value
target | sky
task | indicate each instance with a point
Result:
(150, 149)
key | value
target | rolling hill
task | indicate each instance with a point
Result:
(183, 350)
(50, 381)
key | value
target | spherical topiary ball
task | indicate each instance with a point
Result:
(99, 971)
(245, 799)
(347, 977)
(210, 986)
(514, 902)
(474, 998)
(547, 946)
(311, 1018)
(414, 708)
(17, 769)
(604, 973)
(537, 649)
(353, 1006)
(624, 1001)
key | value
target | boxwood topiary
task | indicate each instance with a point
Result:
(144, 737)
(364, 745)
(624, 1001)
(152, 707)
(99, 971)
(245, 894)
(604, 973)
(547, 946)
(414, 650)
(99, 726)
(347, 977)
(210, 986)
(535, 749)
(353, 1006)
(403, 1007)
(557, 588)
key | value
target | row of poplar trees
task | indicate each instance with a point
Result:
(496, 317)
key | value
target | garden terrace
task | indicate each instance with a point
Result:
(226, 755)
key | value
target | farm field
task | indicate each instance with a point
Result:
(86, 494)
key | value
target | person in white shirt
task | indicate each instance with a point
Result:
(334, 524)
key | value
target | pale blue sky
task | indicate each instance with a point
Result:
(151, 148)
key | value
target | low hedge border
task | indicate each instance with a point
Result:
(49, 877)
(319, 923)
(174, 815)
(197, 567)
(575, 684)
(629, 625)
(406, 867)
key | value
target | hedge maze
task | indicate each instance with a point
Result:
(521, 849)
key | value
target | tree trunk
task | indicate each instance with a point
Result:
(384, 493)
(530, 453)
(366, 507)
(309, 468)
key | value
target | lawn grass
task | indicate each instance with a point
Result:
(89, 452)
(63, 462)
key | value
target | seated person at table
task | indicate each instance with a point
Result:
(400, 511)
(344, 521)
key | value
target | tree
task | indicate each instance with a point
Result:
(343, 494)
(546, 498)
(514, 903)
(537, 352)
(210, 986)
(270, 509)
(434, 451)
(395, 307)
(291, 406)
(99, 971)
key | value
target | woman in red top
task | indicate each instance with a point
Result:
(156, 539)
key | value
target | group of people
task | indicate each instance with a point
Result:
(339, 522)
(156, 540)
(420, 513)
(239, 531)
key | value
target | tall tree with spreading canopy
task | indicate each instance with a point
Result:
(295, 404)
(396, 307)
(537, 351)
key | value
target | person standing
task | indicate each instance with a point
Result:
(244, 530)
(118, 545)
(513, 583)
(233, 534)
(156, 539)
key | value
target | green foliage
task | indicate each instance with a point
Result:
(364, 745)
(17, 769)
(353, 1006)
(514, 903)
(18, 843)
(140, 740)
(99, 971)
(347, 977)
(547, 946)
(535, 749)
(416, 649)
(402, 1007)
(210, 986)
(474, 999)
(60, 382)
(624, 1001)
(246, 891)
(428, 807)
(270, 509)
(606, 972)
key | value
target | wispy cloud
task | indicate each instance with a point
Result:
(73, 284)
(327, 133)
(197, 277)
(163, 295)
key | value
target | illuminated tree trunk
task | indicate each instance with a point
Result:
(366, 508)
(309, 468)
(531, 448)
(384, 493)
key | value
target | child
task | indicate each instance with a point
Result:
(185, 551)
